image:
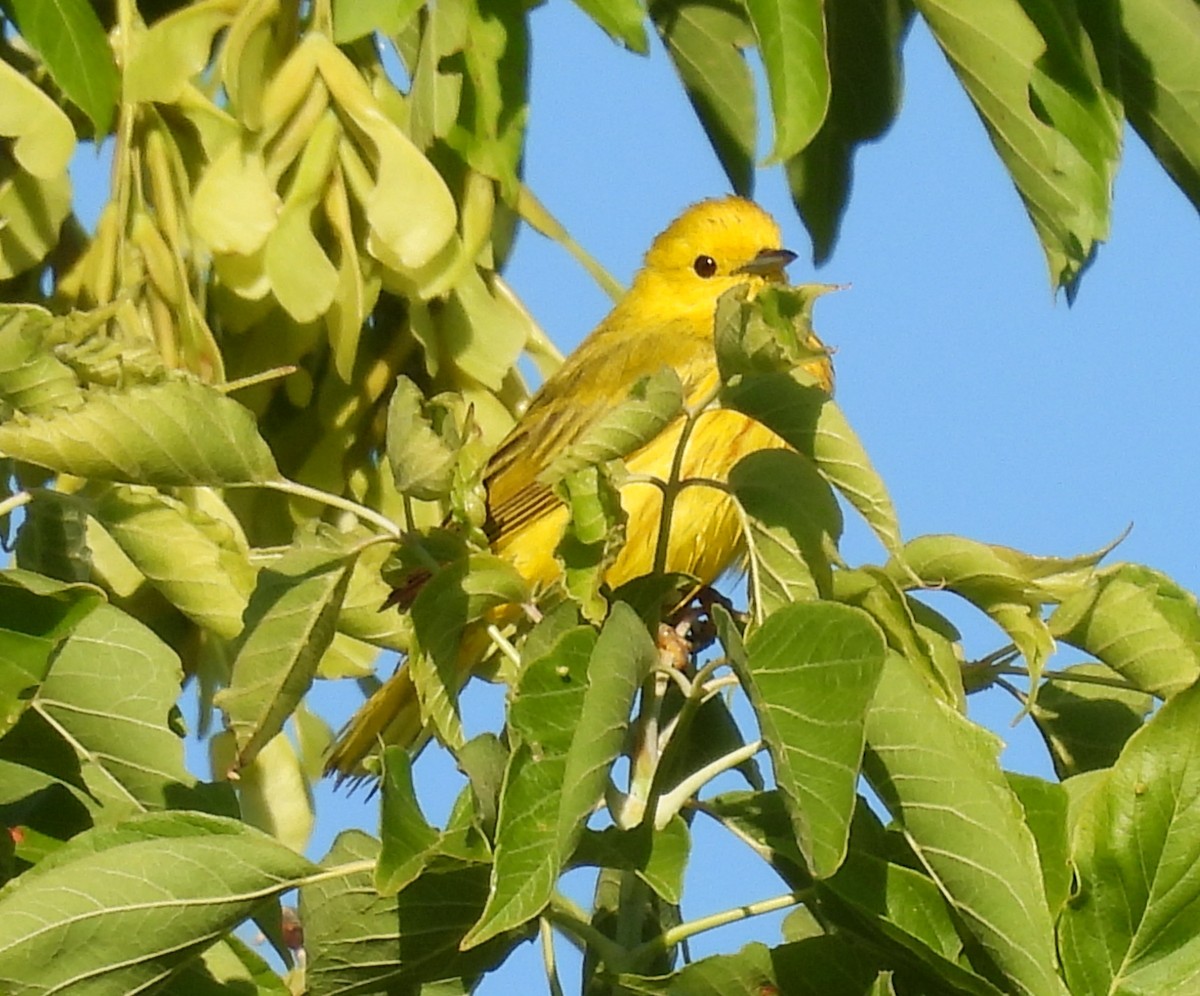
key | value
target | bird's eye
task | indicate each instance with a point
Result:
(705, 266)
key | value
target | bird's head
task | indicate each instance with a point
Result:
(713, 246)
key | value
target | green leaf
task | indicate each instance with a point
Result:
(422, 440)
(705, 42)
(407, 839)
(810, 672)
(224, 969)
(32, 379)
(1130, 927)
(864, 38)
(871, 590)
(68, 35)
(840, 455)
(659, 857)
(770, 334)
(33, 211)
(290, 622)
(195, 560)
(483, 760)
(447, 638)
(1086, 725)
(1159, 46)
(1140, 623)
(794, 525)
(120, 908)
(938, 775)
(359, 941)
(1045, 805)
(352, 19)
(791, 38)
(108, 698)
(652, 404)
(36, 615)
(163, 60)
(43, 139)
(622, 20)
(572, 713)
(1009, 586)
(361, 617)
(178, 432)
(527, 860)
(623, 656)
(1029, 68)
(901, 910)
(272, 789)
(483, 331)
(776, 371)
(492, 139)
(52, 539)
(815, 966)
(593, 538)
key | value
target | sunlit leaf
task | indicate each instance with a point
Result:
(632, 422)
(43, 139)
(407, 839)
(1086, 725)
(1130, 927)
(69, 37)
(791, 38)
(177, 432)
(36, 615)
(794, 524)
(290, 621)
(194, 560)
(1160, 43)
(1045, 806)
(863, 42)
(810, 671)
(32, 378)
(623, 20)
(705, 42)
(1033, 77)
(125, 906)
(357, 939)
(939, 777)
(272, 790)
(108, 696)
(1140, 623)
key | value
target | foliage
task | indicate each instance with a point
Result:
(264, 381)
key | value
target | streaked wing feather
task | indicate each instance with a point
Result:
(515, 495)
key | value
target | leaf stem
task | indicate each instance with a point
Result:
(332, 500)
(669, 803)
(572, 921)
(338, 871)
(673, 485)
(262, 377)
(1081, 679)
(546, 933)
(13, 502)
(669, 938)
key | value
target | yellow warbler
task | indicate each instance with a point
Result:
(664, 320)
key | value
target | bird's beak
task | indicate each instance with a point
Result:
(767, 261)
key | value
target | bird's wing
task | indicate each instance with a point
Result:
(594, 378)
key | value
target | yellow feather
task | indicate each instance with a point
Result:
(665, 319)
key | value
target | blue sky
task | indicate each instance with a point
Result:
(992, 409)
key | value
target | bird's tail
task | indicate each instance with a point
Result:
(392, 715)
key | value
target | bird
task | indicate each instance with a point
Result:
(665, 319)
